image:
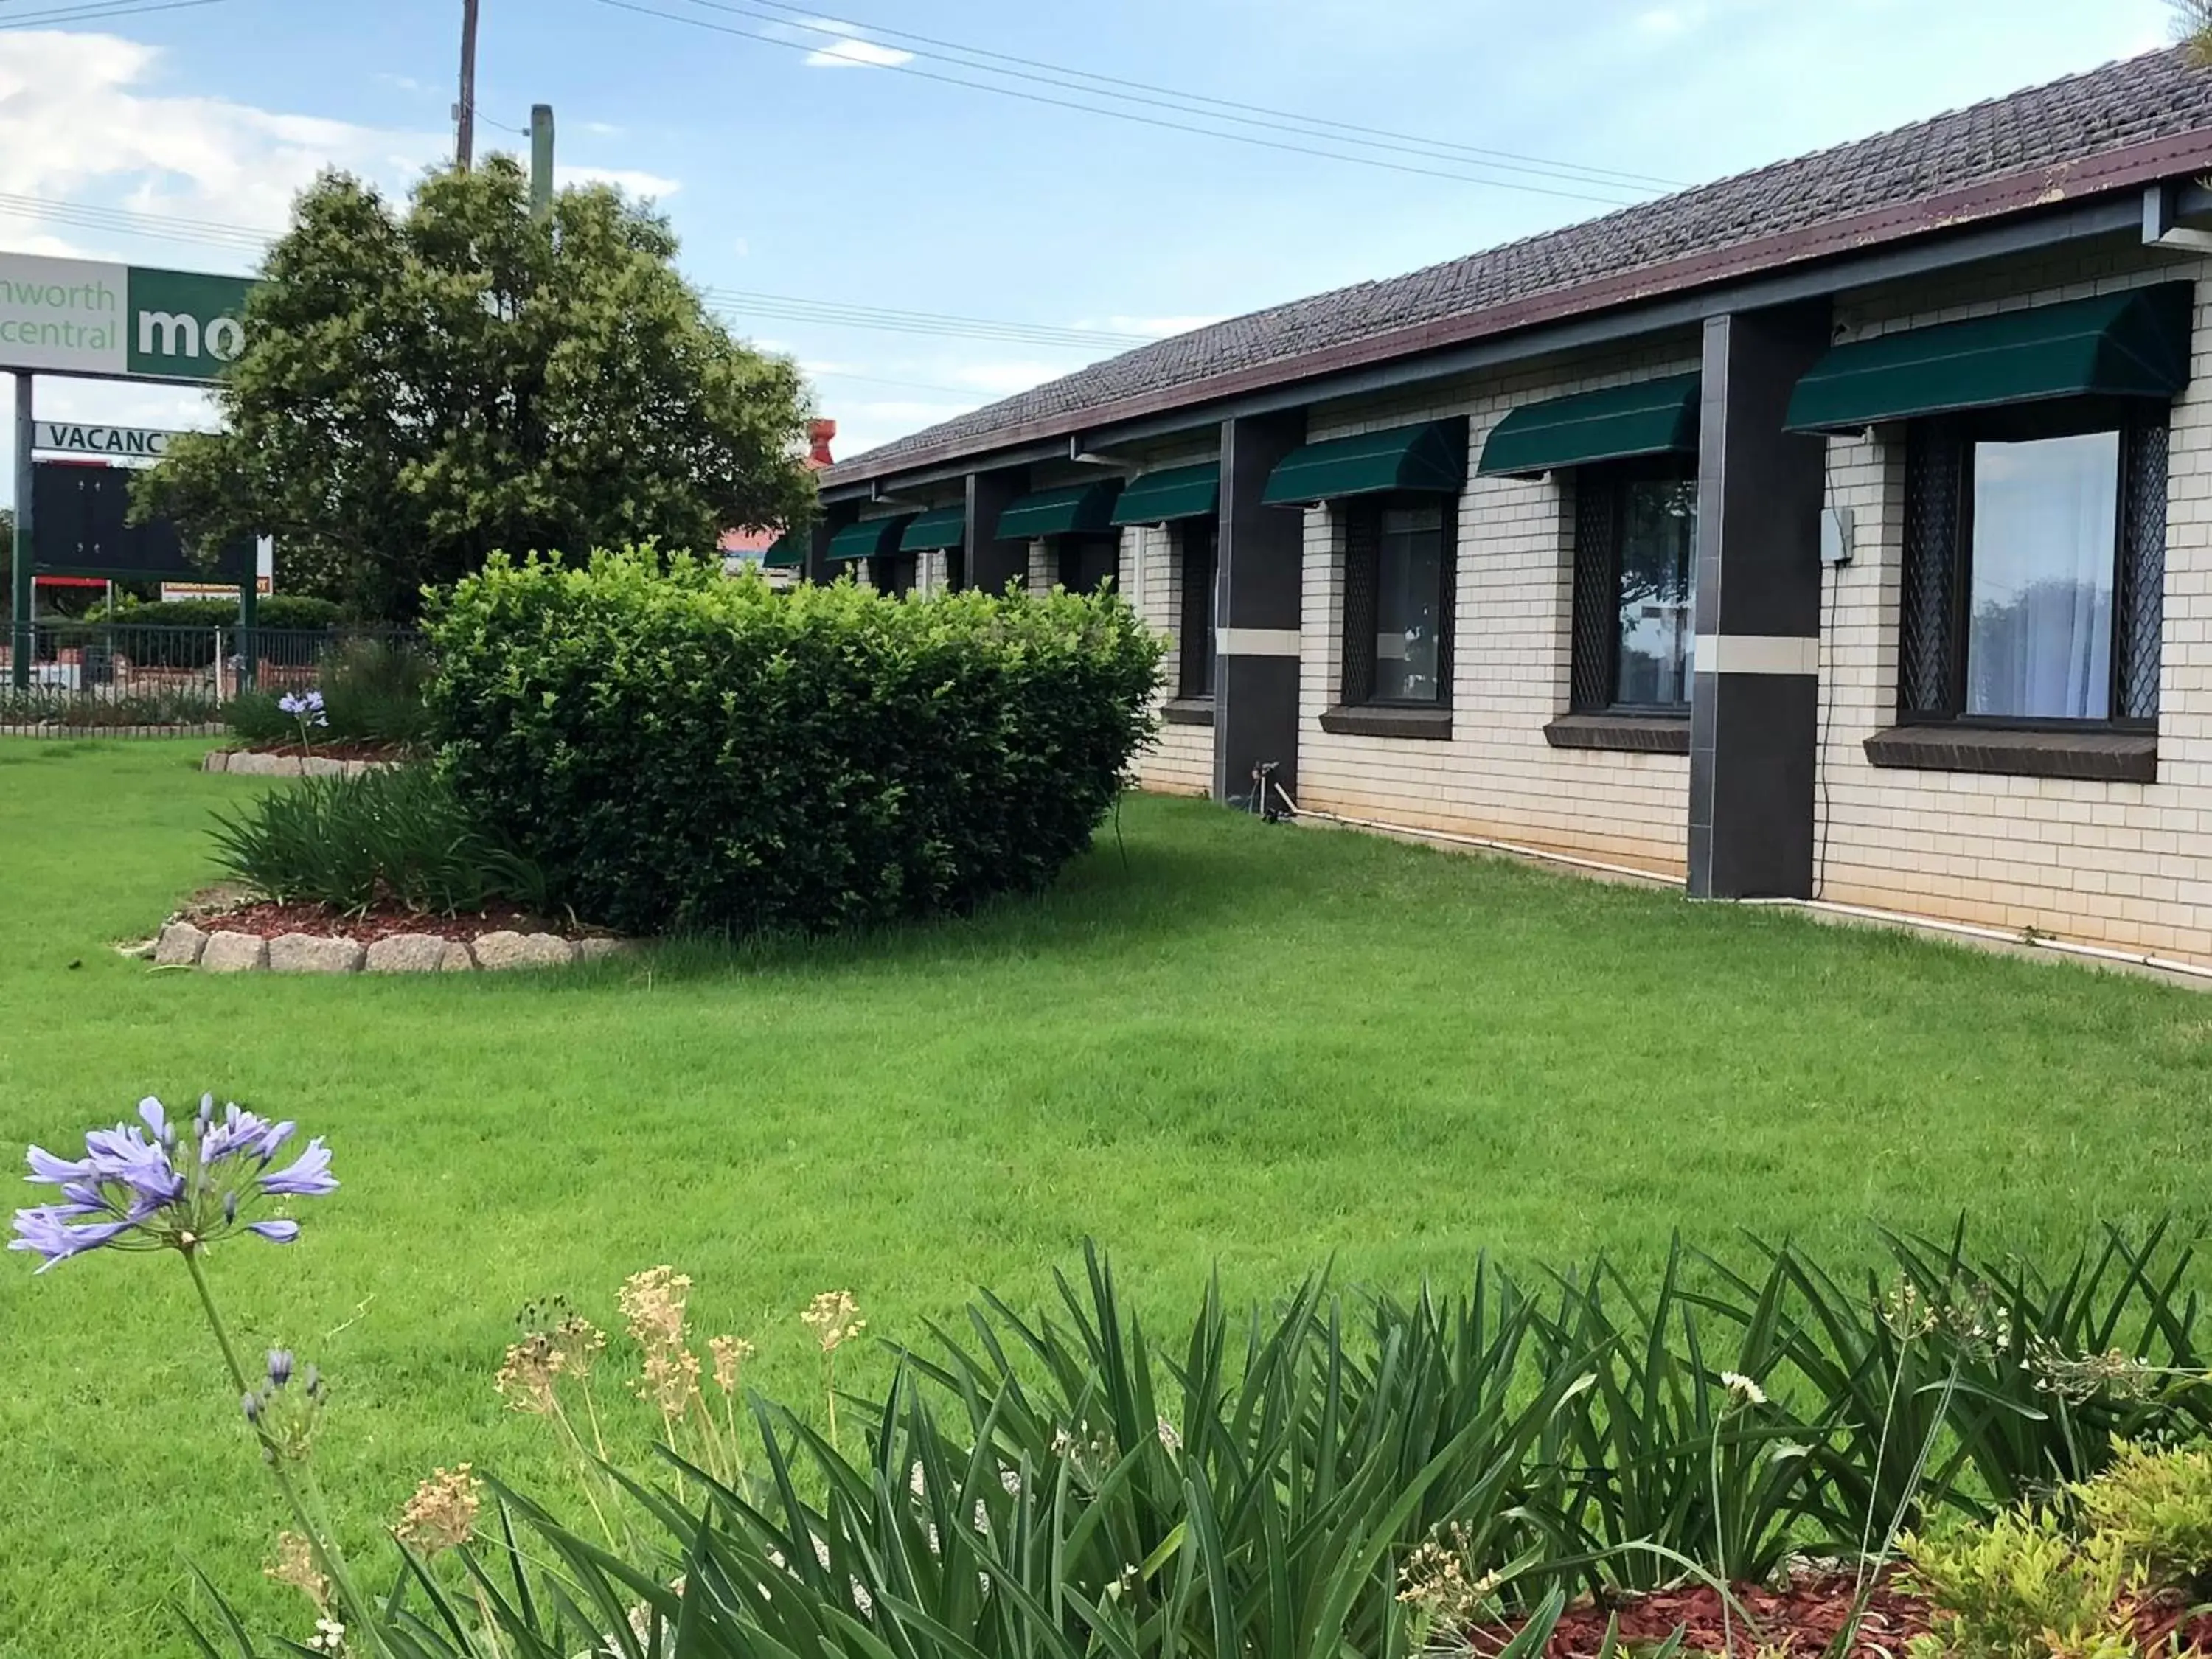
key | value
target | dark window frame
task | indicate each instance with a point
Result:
(1935, 601)
(1362, 556)
(1195, 601)
(1600, 497)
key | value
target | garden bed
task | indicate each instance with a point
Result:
(1802, 1617)
(230, 936)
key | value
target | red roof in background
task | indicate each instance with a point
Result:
(819, 434)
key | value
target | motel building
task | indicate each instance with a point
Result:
(1841, 531)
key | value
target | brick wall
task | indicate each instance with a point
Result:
(1181, 761)
(2113, 863)
(1497, 777)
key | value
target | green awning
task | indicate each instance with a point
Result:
(1652, 417)
(1180, 492)
(1063, 512)
(1431, 457)
(2129, 344)
(933, 532)
(871, 538)
(785, 552)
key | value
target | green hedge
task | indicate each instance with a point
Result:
(682, 750)
(284, 612)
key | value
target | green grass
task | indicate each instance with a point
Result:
(1254, 1047)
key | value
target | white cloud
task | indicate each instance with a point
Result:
(633, 184)
(852, 51)
(1667, 21)
(603, 129)
(78, 121)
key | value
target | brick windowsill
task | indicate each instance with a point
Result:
(2097, 756)
(1633, 734)
(1187, 711)
(1380, 721)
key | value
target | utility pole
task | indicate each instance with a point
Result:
(465, 112)
(541, 160)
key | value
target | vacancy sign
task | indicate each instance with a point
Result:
(118, 322)
(142, 443)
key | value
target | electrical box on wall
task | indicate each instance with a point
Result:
(1835, 536)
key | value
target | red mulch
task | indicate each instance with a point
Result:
(270, 920)
(348, 752)
(1801, 1618)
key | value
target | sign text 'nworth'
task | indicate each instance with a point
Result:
(119, 322)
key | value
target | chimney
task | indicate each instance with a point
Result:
(819, 432)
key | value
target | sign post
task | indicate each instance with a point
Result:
(21, 644)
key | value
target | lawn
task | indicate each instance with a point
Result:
(1217, 1044)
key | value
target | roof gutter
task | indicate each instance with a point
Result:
(2041, 208)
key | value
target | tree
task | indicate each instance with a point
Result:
(2193, 23)
(418, 389)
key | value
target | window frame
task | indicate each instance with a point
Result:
(2137, 424)
(1603, 485)
(1362, 557)
(1196, 603)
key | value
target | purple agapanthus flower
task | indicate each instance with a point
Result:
(305, 706)
(157, 1185)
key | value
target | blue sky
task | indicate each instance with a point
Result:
(826, 166)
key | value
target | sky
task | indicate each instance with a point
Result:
(832, 157)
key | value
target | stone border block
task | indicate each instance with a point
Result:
(229, 952)
(509, 950)
(179, 945)
(406, 953)
(307, 953)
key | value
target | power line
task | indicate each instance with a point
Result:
(836, 29)
(96, 13)
(1126, 115)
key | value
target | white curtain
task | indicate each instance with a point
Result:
(2039, 641)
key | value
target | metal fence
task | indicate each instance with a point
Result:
(129, 679)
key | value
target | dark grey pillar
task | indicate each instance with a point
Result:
(993, 564)
(1754, 706)
(1257, 583)
(834, 519)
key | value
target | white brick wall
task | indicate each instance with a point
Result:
(1181, 761)
(1497, 777)
(2115, 863)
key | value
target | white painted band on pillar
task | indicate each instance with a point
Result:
(1257, 641)
(1757, 653)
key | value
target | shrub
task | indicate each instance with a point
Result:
(283, 612)
(682, 750)
(2156, 1507)
(395, 835)
(373, 692)
(2021, 1588)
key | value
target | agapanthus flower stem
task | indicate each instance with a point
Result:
(360, 1614)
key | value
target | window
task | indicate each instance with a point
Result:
(2034, 568)
(1087, 562)
(1636, 560)
(1398, 600)
(1197, 547)
(892, 573)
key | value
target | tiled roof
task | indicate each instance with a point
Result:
(2050, 140)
